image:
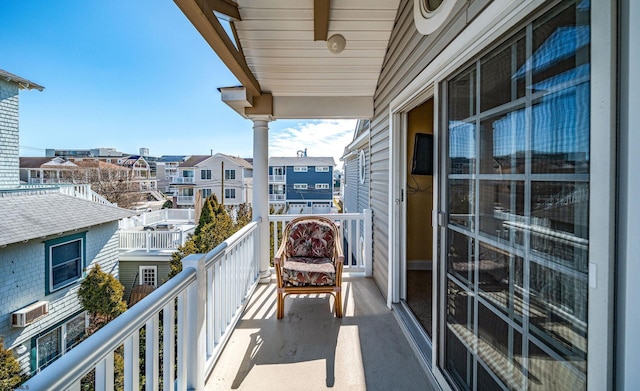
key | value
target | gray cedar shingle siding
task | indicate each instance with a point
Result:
(32, 215)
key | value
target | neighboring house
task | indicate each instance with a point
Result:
(167, 172)
(356, 181)
(301, 184)
(146, 244)
(46, 170)
(48, 242)
(203, 175)
(526, 112)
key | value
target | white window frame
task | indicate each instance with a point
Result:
(300, 186)
(322, 186)
(229, 174)
(300, 169)
(144, 268)
(206, 193)
(229, 194)
(322, 169)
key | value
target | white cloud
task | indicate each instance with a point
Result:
(320, 138)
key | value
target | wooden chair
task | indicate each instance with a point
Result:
(310, 260)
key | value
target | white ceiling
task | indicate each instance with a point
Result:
(277, 40)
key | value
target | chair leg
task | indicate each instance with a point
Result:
(280, 306)
(338, 304)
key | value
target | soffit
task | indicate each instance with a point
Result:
(277, 40)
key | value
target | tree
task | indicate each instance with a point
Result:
(214, 227)
(10, 376)
(101, 295)
(113, 182)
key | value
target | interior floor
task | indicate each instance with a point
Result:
(419, 297)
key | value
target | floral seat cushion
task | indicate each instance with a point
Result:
(311, 239)
(308, 271)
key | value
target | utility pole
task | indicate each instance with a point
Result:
(222, 183)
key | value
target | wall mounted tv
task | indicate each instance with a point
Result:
(422, 155)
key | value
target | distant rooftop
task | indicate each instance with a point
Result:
(22, 82)
(302, 161)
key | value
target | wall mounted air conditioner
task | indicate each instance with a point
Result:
(29, 314)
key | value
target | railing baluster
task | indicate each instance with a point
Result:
(151, 354)
(131, 362)
(210, 312)
(104, 374)
(182, 339)
(168, 348)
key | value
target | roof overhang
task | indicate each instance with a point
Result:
(277, 50)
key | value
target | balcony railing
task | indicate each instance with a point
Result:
(184, 179)
(277, 178)
(186, 200)
(355, 229)
(152, 240)
(206, 298)
(277, 197)
(198, 309)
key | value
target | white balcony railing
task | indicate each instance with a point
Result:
(355, 229)
(277, 178)
(152, 240)
(185, 200)
(207, 299)
(277, 197)
(184, 179)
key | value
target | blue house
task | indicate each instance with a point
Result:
(301, 184)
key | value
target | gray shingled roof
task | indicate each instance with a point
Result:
(302, 161)
(22, 82)
(32, 215)
(237, 160)
(194, 160)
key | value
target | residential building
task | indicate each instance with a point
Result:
(203, 175)
(167, 172)
(301, 184)
(147, 242)
(49, 240)
(526, 213)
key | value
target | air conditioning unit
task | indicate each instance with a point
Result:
(29, 314)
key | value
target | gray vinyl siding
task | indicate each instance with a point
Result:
(410, 52)
(129, 272)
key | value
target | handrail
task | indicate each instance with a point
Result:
(71, 367)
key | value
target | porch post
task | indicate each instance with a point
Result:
(261, 191)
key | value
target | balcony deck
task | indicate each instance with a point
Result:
(310, 349)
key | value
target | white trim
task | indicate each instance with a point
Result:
(602, 199)
(148, 267)
(300, 169)
(300, 186)
(427, 21)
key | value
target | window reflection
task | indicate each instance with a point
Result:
(518, 137)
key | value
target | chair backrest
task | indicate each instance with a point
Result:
(310, 237)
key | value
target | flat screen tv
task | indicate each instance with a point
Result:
(422, 155)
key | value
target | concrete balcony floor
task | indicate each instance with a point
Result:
(310, 349)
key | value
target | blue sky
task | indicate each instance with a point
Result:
(133, 73)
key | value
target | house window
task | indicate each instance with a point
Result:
(59, 340)
(64, 261)
(148, 275)
(229, 193)
(206, 193)
(300, 186)
(322, 169)
(300, 169)
(205, 174)
(517, 156)
(229, 174)
(277, 170)
(322, 186)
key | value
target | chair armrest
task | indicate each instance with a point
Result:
(279, 255)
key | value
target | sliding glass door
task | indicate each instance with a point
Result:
(517, 199)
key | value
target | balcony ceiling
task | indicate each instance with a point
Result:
(279, 50)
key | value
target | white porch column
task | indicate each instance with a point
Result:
(261, 190)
